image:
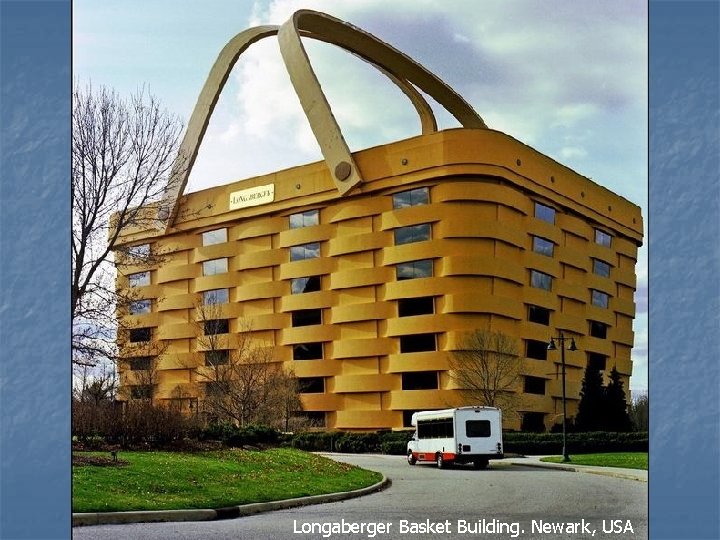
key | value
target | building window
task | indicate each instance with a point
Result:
(412, 233)
(601, 268)
(140, 279)
(308, 351)
(534, 385)
(312, 418)
(139, 335)
(217, 389)
(139, 252)
(217, 236)
(546, 213)
(536, 349)
(600, 299)
(139, 307)
(141, 391)
(597, 361)
(217, 358)
(603, 238)
(215, 266)
(407, 307)
(420, 380)
(306, 317)
(305, 284)
(417, 343)
(216, 326)
(413, 197)
(407, 418)
(141, 363)
(305, 251)
(414, 269)
(533, 422)
(305, 219)
(598, 329)
(311, 385)
(216, 296)
(539, 280)
(539, 315)
(542, 246)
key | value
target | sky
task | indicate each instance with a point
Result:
(567, 77)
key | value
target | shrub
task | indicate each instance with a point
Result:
(577, 443)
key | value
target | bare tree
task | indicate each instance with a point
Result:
(122, 153)
(487, 369)
(243, 384)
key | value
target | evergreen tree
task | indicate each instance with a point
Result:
(590, 416)
(616, 416)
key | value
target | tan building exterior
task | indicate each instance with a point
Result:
(366, 294)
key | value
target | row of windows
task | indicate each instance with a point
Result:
(541, 280)
(547, 213)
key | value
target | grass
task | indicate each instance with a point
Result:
(176, 480)
(625, 460)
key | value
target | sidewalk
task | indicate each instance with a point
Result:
(615, 472)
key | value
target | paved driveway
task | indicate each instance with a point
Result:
(505, 501)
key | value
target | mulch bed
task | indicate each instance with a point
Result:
(81, 460)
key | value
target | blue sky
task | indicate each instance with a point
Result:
(567, 77)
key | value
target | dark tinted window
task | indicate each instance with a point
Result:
(420, 380)
(533, 422)
(597, 361)
(536, 349)
(598, 329)
(141, 391)
(414, 269)
(140, 334)
(217, 358)
(407, 418)
(413, 197)
(308, 351)
(417, 343)
(216, 326)
(311, 385)
(539, 315)
(306, 317)
(305, 284)
(407, 307)
(477, 428)
(140, 363)
(413, 233)
(534, 385)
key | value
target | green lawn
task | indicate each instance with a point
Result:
(625, 460)
(175, 480)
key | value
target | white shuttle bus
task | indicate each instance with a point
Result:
(462, 435)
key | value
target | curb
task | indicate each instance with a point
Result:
(229, 512)
(567, 468)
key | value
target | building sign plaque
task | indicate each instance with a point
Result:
(252, 196)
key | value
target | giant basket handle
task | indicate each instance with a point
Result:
(401, 69)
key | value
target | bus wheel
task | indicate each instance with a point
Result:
(411, 459)
(480, 463)
(440, 461)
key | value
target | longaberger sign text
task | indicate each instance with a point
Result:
(252, 196)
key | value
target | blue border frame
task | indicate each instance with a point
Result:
(34, 269)
(684, 260)
(684, 250)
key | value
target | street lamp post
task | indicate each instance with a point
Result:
(571, 347)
